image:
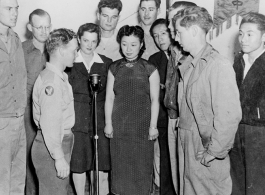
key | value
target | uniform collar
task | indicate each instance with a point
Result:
(30, 46)
(203, 54)
(54, 69)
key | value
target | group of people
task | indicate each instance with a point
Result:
(174, 117)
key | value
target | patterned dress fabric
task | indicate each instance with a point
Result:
(131, 152)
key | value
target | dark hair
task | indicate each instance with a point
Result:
(59, 37)
(157, 22)
(136, 31)
(194, 15)
(89, 27)
(112, 4)
(184, 4)
(157, 2)
(38, 12)
(255, 18)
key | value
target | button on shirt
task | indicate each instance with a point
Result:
(13, 78)
(35, 62)
(109, 47)
(53, 107)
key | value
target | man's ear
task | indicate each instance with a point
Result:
(61, 51)
(263, 38)
(194, 30)
(158, 11)
(29, 27)
(98, 14)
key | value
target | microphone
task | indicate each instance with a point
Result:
(95, 82)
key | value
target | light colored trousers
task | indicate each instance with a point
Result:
(13, 156)
(199, 179)
(172, 145)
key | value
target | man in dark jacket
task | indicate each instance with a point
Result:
(161, 36)
(248, 156)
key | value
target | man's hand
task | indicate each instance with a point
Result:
(62, 168)
(205, 158)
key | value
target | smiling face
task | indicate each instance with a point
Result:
(130, 46)
(88, 42)
(8, 13)
(148, 12)
(251, 39)
(161, 36)
(108, 18)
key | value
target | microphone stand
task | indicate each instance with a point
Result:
(95, 85)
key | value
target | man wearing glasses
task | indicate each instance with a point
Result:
(35, 58)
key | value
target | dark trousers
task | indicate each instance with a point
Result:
(49, 183)
(248, 161)
(166, 183)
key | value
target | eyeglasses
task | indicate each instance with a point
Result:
(41, 28)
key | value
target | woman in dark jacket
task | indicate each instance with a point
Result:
(87, 63)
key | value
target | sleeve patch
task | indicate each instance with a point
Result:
(49, 90)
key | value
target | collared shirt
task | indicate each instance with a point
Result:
(13, 76)
(35, 62)
(96, 59)
(53, 107)
(210, 102)
(247, 63)
(150, 45)
(109, 47)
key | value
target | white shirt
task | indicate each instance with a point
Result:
(247, 63)
(96, 59)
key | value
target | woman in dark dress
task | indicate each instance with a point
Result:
(131, 112)
(88, 62)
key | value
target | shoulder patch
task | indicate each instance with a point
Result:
(49, 90)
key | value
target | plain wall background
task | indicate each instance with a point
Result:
(73, 13)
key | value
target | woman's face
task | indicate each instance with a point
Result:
(88, 42)
(130, 46)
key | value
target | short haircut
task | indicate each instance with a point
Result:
(112, 4)
(136, 31)
(194, 15)
(255, 18)
(184, 4)
(91, 28)
(157, 22)
(59, 37)
(157, 2)
(38, 12)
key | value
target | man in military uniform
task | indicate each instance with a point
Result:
(53, 113)
(12, 103)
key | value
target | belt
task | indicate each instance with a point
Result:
(66, 131)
